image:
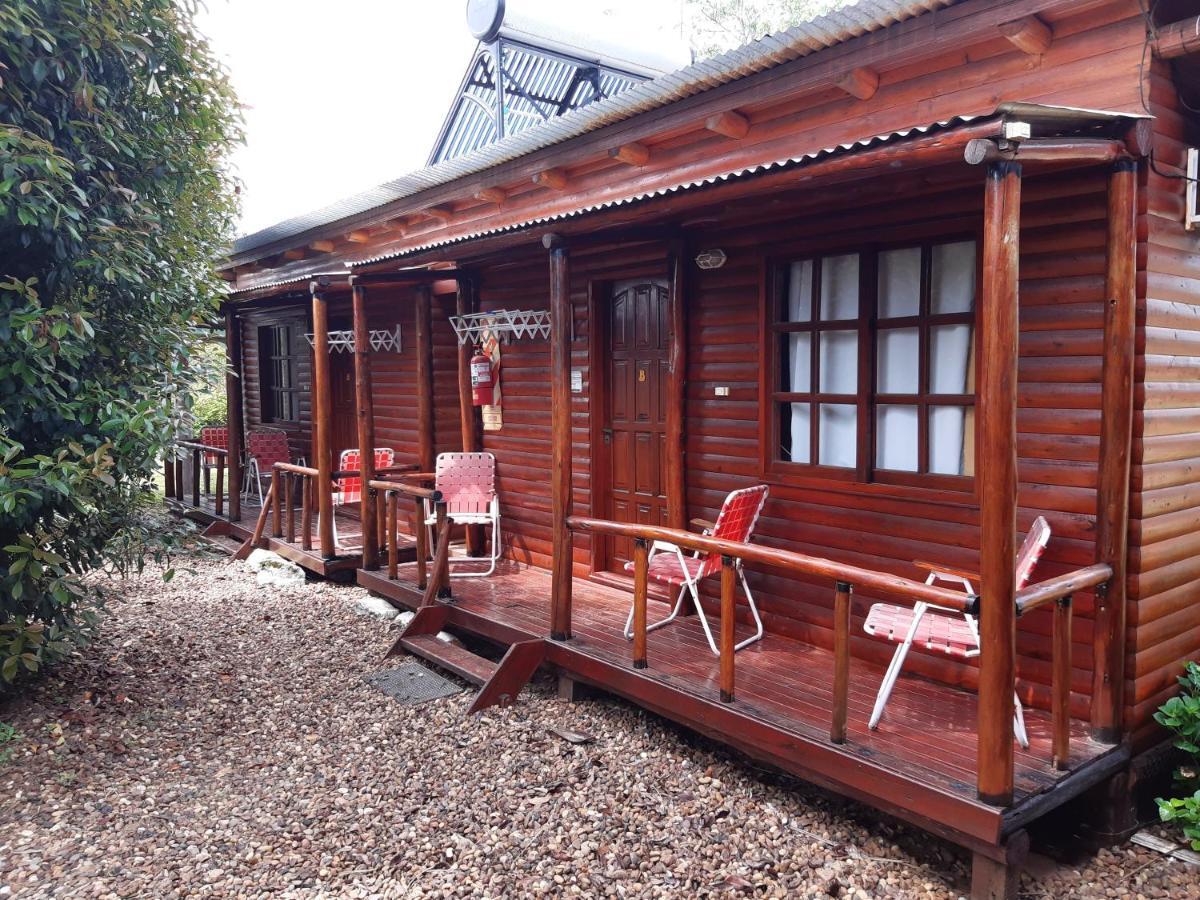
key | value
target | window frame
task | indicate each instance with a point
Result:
(865, 476)
(270, 392)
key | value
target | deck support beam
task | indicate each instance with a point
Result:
(365, 413)
(423, 297)
(322, 423)
(1116, 437)
(234, 419)
(676, 399)
(560, 438)
(464, 304)
(997, 465)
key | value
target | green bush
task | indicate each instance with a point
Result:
(115, 123)
(1181, 716)
(208, 409)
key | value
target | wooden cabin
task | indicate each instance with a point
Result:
(927, 271)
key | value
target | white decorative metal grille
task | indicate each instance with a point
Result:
(501, 325)
(381, 341)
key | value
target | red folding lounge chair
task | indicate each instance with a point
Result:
(667, 564)
(467, 482)
(946, 631)
(264, 448)
(348, 488)
(213, 436)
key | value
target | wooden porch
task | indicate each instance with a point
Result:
(920, 764)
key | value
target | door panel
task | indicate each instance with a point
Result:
(636, 412)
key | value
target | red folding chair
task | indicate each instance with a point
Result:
(945, 630)
(264, 448)
(667, 564)
(348, 489)
(467, 483)
(213, 436)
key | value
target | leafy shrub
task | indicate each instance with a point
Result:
(114, 126)
(209, 409)
(1181, 715)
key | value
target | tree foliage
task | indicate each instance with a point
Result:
(115, 122)
(720, 25)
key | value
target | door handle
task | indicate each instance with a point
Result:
(608, 433)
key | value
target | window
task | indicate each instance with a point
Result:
(875, 355)
(280, 387)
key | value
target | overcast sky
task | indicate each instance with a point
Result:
(342, 95)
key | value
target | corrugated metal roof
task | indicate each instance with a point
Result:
(1046, 119)
(290, 279)
(824, 31)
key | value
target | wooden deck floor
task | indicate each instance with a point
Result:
(349, 535)
(920, 763)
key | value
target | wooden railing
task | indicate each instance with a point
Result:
(1059, 591)
(437, 583)
(846, 578)
(173, 473)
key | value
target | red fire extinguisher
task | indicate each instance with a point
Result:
(482, 382)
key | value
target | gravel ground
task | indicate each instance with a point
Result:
(218, 741)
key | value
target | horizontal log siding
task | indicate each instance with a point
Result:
(295, 314)
(1164, 561)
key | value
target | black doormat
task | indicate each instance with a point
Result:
(412, 683)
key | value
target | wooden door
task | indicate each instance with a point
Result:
(344, 421)
(638, 347)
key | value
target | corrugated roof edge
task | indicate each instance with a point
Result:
(833, 28)
(1048, 115)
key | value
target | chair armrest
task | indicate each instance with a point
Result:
(942, 569)
(702, 524)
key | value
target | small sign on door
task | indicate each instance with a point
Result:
(577, 381)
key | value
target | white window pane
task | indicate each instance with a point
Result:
(951, 360)
(839, 435)
(947, 433)
(952, 287)
(797, 363)
(898, 368)
(839, 287)
(896, 438)
(799, 292)
(839, 362)
(795, 431)
(900, 283)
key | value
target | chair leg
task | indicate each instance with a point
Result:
(758, 633)
(661, 622)
(893, 670)
(1019, 723)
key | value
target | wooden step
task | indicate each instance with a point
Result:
(226, 543)
(451, 657)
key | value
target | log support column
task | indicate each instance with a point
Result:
(464, 304)
(560, 430)
(423, 296)
(365, 413)
(1116, 435)
(676, 485)
(997, 465)
(234, 420)
(322, 422)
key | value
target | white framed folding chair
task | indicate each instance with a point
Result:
(212, 436)
(668, 565)
(264, 448)
(467, 483)
(946, 631)
(348, 489)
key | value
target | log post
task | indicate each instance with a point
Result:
(421, 533)
(997, 465)
(279, 493)
(234, 420)
(841, 662)
(1060, 690)
(560, 431)
(676, 399)
(219, 496)
(169, 473)
(393, 522)
(322, 423)
(1116, 436)
(425, 420)
(306, 512)
(728, 622)
(365, 413)
(197, 465)
(640, 585)
(464, 304)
